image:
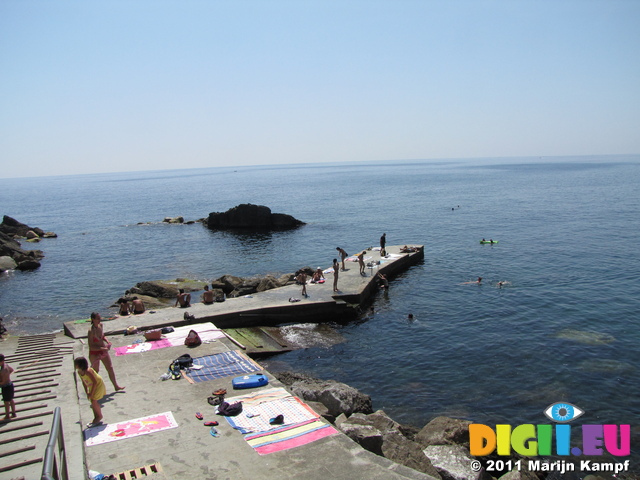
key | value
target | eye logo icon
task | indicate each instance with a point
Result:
(563, 412)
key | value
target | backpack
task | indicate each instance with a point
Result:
(184, 361)
(193, 339)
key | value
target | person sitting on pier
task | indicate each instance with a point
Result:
(137, 307)
(318, 276)
(124, 309)
(207, 296)
(184, 299)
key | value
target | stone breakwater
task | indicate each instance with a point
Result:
(441, 447)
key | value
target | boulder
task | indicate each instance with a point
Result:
(30, 264)
(368, 437)
(155, 289)
(7, 263)
(229, 282)
(173, 220)
(267, 283)
(444, 431)
(397, 448)
(337, 397)
(251, 217)
(12, 227)
(453, 462)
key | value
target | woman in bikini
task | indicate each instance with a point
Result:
(99, 348)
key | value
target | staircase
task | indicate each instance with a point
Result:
(38, 361)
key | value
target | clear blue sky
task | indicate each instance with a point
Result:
(103, 86)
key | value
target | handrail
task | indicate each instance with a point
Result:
(50, 469)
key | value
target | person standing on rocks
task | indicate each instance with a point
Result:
(99, 348)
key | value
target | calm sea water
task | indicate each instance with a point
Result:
(563, 328)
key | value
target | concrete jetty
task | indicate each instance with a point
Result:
(45, 379)
(273, 307)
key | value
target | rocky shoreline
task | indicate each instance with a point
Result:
(440, 448)
(12, 255)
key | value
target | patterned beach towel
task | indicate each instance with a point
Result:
(221, 365)
(130, 428)
(289, 436)
(259, 407)
(141, 347)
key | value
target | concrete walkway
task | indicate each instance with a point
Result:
(188, 451)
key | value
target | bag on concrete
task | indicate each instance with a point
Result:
(193, 339)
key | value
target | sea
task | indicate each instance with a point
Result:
(563, 327)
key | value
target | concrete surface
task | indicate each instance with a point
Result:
(189, 451)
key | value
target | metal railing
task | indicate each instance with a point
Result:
(55, 466)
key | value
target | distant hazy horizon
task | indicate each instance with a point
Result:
(110, 87)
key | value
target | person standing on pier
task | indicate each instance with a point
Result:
(302, 280)
(336, 268)
(361, 263)
(8, 390)
(99, 348)
(383, 243)
(343, 256)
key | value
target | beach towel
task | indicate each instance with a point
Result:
(141, 347)
(131, 428)
(207, 332)
(289, 436)
(221, 365)
(259, 407)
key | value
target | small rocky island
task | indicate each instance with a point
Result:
(251, 217)
(12, 255)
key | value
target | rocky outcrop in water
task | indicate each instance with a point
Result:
(225, 286)
(251, 218)
(12, 255)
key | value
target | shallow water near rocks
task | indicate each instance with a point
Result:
(568, 237)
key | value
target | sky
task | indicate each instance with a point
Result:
(121, 85)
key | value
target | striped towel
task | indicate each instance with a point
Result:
(221, 365)
(289, 436)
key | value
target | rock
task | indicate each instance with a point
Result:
(251, 217)
(229, 282)
(28, 265)
(444, 431)
(31, 235)
(267, 283)
(12, 227)
(7, 263)
(400, 449)
(337, 397)
(321, 410)
(165, 289)
(367, 436)
(154, 289)
(453, 462)
(173, 220)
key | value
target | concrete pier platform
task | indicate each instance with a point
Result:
(188, 451)
(273, 307)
